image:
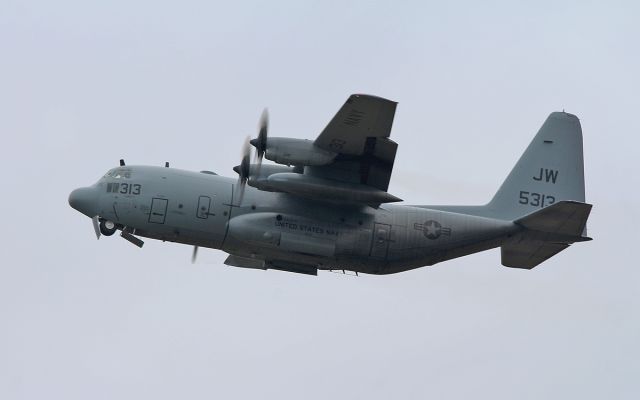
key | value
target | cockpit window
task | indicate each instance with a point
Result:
(118, 173)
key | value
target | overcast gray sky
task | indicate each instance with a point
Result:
(83, 84)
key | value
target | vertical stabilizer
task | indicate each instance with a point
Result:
(550, 170)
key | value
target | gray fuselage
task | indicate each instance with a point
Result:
(199, 209)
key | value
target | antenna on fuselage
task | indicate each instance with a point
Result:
(122, 162)
(166, 164)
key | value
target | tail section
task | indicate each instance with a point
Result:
(546, 233)
(543, 195)
(550, 170)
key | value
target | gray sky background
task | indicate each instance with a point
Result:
(83, 84)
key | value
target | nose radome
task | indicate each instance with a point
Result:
(85, 200)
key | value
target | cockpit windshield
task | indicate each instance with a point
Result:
(118, 173)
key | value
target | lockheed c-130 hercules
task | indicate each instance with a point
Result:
(324, 204)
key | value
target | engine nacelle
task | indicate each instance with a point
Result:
(289, 151)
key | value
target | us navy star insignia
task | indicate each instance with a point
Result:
(432, 229)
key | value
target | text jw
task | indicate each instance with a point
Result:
(548, 175)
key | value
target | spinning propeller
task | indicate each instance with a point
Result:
(194, 255)
(96, 226)
(260, 143)
(244, 169)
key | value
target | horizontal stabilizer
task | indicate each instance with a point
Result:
(563, 218)
(547, 232)
(530, 253)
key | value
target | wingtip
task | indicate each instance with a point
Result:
(369, 96)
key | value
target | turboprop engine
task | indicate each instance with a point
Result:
(301, 153)
(290, 151)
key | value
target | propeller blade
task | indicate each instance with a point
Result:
(260, 143)
(243, 170)
(96, 226)
(246, 159)
(239, 193)
(194, 255)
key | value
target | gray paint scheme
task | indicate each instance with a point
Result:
(275, 230)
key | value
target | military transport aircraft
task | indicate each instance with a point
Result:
(324, 204)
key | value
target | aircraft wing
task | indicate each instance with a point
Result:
(359, 134)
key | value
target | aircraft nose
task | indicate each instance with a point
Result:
(85, 200)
